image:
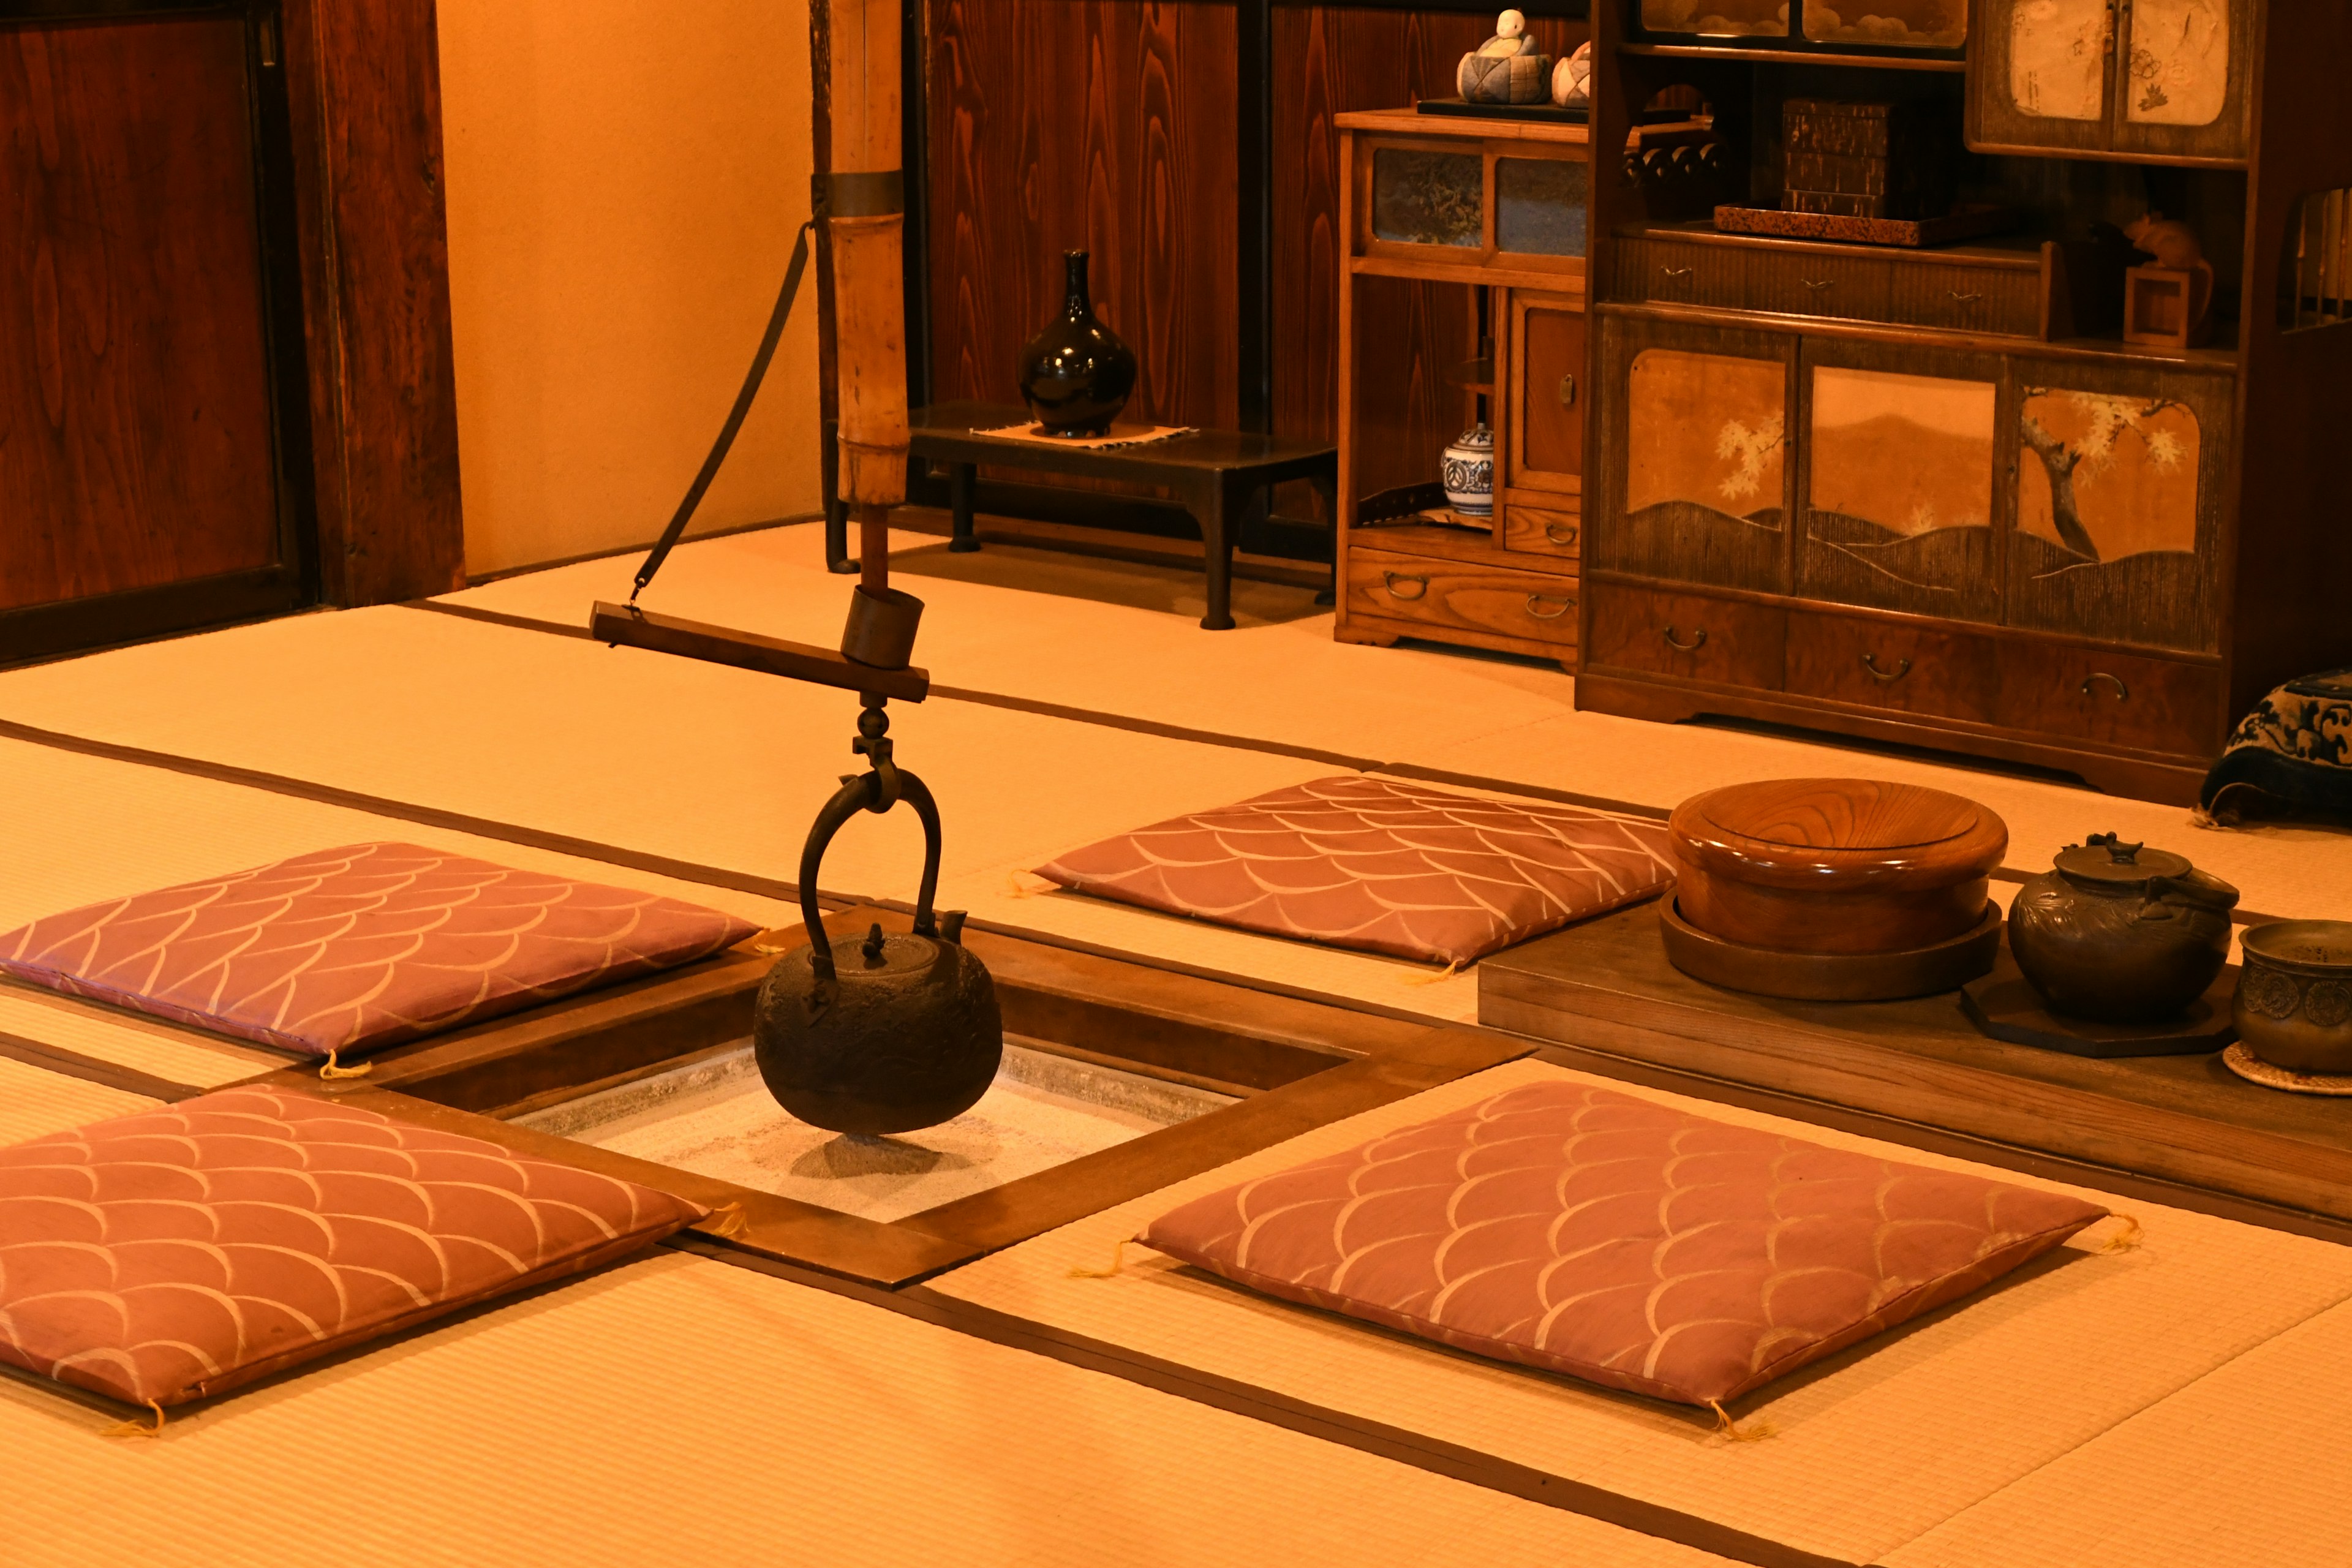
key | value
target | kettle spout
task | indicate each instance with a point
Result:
(951, 927)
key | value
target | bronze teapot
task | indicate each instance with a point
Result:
(886, 1032)
(2120, 932)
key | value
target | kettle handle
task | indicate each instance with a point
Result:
(863, 791)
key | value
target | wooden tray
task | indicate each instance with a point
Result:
(2005, 1006)
(1604, 987)
(1912, 232)
(1544, 113)
(1830, 976)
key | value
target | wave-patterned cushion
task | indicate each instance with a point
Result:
(182, 1252)
(347, 950)
(1383, 866)
(1619, 1241)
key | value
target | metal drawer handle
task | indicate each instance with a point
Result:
(1420, 587)
(1961, 298)
(1567, 390)
(1535, 602)
(1818, 284)
(1902, 667)
(1693, 646)
(1674, 271)
(2123, 692)
(1552, 531)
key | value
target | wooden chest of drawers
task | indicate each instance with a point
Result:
(1975, 290)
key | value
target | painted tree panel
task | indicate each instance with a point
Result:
(1899, 492)
(1704, 469)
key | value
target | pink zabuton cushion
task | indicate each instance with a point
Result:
(350, 949)
(182, 1252)
(1619, 1241)
(1383, 866)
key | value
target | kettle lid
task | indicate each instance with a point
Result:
(2105, 859)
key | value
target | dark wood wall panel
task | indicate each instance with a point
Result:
(135, 441)
(1328, 60)
(1104, 125)
(365, 82)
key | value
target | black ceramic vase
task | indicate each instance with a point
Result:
(1077, 374)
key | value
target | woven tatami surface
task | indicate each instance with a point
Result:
(679, 1411)
(2247, 1467)
(36, 1102)
(1289, 682)
(668, 756)
(1873, 1449)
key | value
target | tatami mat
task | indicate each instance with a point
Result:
(36, 1102)
(677, 1411)
(110, 829)
(2246, 1468)
(688, 761)
(1872, 1449)
(1289, 682)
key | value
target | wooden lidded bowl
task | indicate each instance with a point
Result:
(1843, 866)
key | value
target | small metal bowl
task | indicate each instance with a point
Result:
(2293, 1005)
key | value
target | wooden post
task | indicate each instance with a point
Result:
(869, 301)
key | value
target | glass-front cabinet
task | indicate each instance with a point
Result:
(2159, 80)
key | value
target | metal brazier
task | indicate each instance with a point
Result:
(2120, 932)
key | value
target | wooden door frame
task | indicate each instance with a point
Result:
(355, 272)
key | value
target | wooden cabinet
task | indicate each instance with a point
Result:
(1467, 251)
(2147, 79)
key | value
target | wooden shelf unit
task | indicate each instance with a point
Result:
(1814, 464)
(1411, 306)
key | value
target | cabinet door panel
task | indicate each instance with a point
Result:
(2183, 88)
(2040, 75)
(1899, 451)
(1544, 445)
(2118, 490)
(1696, 478)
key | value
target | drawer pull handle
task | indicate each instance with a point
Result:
(1961, 298)
(1818, 284)
(1535, 607)
(1561, 532)
(2123, 692)
(1902, 667)
(1420, 586)
(1698, 641)
(1674, 271)
(1567, 390)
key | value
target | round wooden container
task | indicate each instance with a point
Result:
(1834, 865)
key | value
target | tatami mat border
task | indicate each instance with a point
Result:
(1414, 771)
(1447, 1460)
(90, 1069)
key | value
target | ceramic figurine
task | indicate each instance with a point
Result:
(1076, 374)
(2121, 934)
(1571, 79)
(1507, 67)
(2293, 1005)
(1470, 473)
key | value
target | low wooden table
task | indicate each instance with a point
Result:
(2187, 1121)
(1212, 473)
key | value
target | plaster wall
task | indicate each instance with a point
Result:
(625, 178)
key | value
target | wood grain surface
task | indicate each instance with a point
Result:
(362, 80)
(1107, 126)
(135, 439)
(1606, 986)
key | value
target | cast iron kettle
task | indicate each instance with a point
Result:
(886, 1032)
(2121, 932)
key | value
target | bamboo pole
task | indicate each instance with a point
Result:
(868, 270)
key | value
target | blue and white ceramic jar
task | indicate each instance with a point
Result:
(1470, 473)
